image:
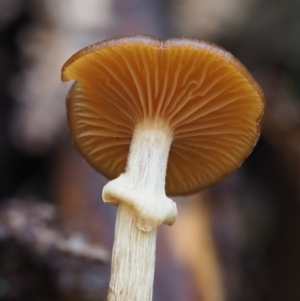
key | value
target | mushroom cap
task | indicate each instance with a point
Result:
(205, 95)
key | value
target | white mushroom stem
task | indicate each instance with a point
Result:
(142, 206)
(133, 259)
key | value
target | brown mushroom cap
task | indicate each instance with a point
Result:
(207, 97)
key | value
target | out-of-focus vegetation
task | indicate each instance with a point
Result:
(238, 241)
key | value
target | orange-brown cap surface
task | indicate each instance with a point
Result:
(205, 95)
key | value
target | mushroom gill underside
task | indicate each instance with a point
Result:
(212, 108)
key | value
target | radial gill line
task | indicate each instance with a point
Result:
(160, 99)
(126, 103)
(173, 85)
(194, 134)
(197, 143)
(184, 147)
(180, 171)
(221, 130)
(203, 66)
(115, 152)
(126, 71)
(156, 73)
(108, 144)
(82, 121)
(171, 173)
(189, 67)
(180, 100)
(116, 162)
(120, 167)
(137, 83)
(119, 120)
(88, 143)
(222, 116)
(101, 117)
(205, 160)
(91, 115)
(210, 147)
(214, 93)
(104, 132)
(87, 115)
(101, 153)
(197, 88)
(148, 81)
(105, 95)
(212, 83)
(210, 174)
(207, 132)
(198, 126)
(179, 174)
(86, 106)
(119, 80)
(182, 155)
(199, 111)
(229, 138)
(216, 71)
(238, 105)
(235, 141)
(202, 119)
(122, 68)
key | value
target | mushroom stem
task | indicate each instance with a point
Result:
(142, 206)
(133, 259)
(142, 186)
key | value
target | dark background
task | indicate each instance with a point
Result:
(240, 238)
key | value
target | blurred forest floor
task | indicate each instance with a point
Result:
(239, 238)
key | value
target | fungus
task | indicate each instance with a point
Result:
(175, 115)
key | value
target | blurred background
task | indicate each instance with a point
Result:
(238, 241)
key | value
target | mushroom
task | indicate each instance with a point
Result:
(176, 115)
